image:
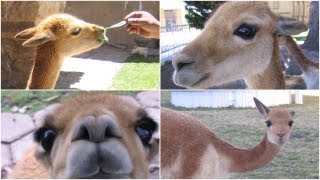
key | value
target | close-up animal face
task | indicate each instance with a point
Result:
(278, 123)
(64, 31)
(97, 136)
(226, 50)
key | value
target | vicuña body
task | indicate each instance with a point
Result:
(240, 41)
(310, 69)
(92, 136)
(189, 149)
(57, 37)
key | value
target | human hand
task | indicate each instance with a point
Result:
(143, 24)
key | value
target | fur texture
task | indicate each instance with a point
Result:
(192, 150)
(57, 37)
(218, 56)
(119, 154)
(310, 69)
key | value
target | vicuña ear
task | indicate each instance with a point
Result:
(292, 113)
(261, 107)
(26, 34)
(290, 26)
(38, 39)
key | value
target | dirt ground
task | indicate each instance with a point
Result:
(244, 128)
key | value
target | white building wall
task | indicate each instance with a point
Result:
(229, 98)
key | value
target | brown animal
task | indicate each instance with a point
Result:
(310, 69)
(92, 136)
(239, 41)
(57, 37)
(189, 149)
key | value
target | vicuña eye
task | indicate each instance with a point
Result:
(290, 123)
(269, 123)
(76, 32)
(145, 128)
(246, 31)
(45, 136)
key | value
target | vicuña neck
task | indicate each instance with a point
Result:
(46, 68)
(298, 54)
(242, 160)
(272, 77)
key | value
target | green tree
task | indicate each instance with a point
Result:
(199, 11)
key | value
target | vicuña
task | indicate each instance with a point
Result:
(57, 37)
(240, 41)
(190, 149)
(92, 136)
(309, 68)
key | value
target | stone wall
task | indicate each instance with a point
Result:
(107, 13)
(17, 61)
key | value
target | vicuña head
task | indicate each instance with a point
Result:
(278, 121)
(93, 136)
(189, 149)
(239, 41)
(57, 37)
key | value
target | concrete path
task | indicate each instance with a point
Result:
(93, 70)
(17, 131)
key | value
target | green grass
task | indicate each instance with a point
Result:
(138, 73)
(301, 37)
(244, 128)
(37, 100)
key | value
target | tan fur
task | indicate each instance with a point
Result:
(217, 56)
(310, 69)
(60, 44)
(200, 153)
(28, 167)
(124, 110)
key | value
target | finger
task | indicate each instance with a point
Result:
(137, 21)
(129, 28)
(134, 31)
(144, 33)
(134, 14)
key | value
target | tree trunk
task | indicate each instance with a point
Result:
(312, 41)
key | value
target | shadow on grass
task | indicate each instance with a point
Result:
(142, 59)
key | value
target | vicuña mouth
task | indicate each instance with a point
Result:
(204, 77)
(102, 175)
(103, 38)
(281, 142)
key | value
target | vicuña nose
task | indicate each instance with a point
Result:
(96, 129)
(100, 29)
(181, 61)
(281, 135)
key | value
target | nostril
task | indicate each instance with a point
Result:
(180, 65)
(281, 135)
(84, 133)
(100, 29)
(96, 129)
(108, 133)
